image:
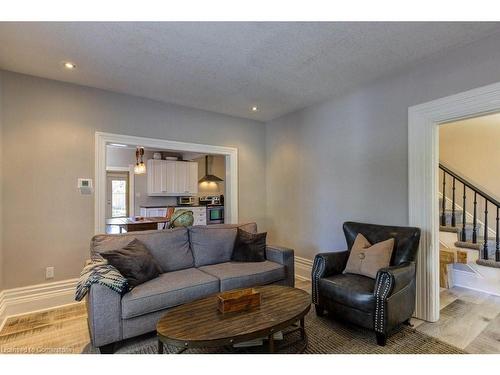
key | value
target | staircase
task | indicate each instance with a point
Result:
(469, 227)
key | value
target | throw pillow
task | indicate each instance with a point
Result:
(366, 259)
(249, 247)
(134, 262)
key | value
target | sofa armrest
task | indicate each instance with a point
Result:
(284, 256)
(104, 315)
(325, 265)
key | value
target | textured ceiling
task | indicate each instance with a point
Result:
(228, 67)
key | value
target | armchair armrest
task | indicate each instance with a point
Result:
(391, 280)
(326, 264)
(284, 256)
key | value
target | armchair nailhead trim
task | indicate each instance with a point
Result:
(383, 289)
(318, 270)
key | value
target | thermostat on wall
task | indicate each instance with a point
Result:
(85, 185)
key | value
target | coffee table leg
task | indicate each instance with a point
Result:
(302, 329)
(271, 343)
(160, 347)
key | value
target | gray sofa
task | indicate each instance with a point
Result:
(196, 262)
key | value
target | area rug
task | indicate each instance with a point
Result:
(325, 336)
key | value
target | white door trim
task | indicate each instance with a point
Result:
(423, 159)
(101, 139)
(117, 169)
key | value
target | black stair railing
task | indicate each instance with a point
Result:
(488, 200)
(497, 239)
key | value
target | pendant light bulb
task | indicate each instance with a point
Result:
(140, 167)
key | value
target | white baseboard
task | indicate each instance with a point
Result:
(33, 298)
(476, 282)
(303, 268)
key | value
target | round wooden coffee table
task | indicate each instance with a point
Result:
(199, 324)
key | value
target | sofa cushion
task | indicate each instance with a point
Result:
(169, 247)
(211, 245)
(234, 275)
(168, 290)
(349, 289)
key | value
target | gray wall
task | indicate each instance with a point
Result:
(46, 222)
(346, 159)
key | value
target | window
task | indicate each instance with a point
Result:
(118, 198)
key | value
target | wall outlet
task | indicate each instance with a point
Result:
(49, 273)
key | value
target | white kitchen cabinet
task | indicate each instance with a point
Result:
(172, 178)
(192, 177)
(154, 211)
(200, 215)
(156, 177)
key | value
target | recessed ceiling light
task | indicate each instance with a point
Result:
(69, 65)
(254, 108)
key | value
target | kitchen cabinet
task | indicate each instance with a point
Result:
(199, 213)
(154, 211)
(172, 178)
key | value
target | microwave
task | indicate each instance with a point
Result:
(185, 201)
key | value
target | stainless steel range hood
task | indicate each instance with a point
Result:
(209, 177)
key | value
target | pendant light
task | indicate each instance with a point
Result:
(209, 177)
(140, 167)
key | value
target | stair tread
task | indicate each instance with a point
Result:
(488, 263)
(479, 241)
(448, 228)
(467, 225)
(468, 245)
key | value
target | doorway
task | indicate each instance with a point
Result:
(423, 162)
(102, 140)
(117, 194)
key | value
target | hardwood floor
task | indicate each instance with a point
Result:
(58, 331)
(469, 320)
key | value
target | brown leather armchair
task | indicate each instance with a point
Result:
(379, 304)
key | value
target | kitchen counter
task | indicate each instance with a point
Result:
(132, 224)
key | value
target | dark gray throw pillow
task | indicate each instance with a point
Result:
(134, 261)
(249, 247)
